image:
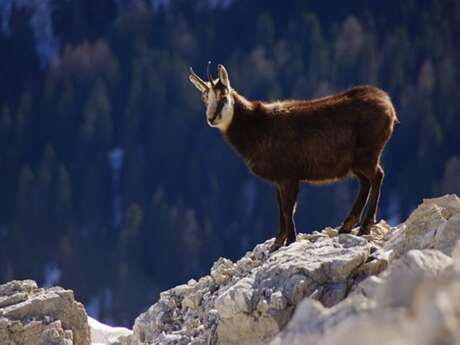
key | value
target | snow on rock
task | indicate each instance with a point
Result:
(325, 288)
(102, 334)
(30, 315)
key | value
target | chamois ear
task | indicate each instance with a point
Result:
(223, 76)
(199, 83)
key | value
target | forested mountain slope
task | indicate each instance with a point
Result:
(111, 181)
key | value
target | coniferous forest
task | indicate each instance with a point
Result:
(113, 185)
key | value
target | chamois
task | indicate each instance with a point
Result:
(317, 141)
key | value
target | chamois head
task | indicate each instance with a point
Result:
(217, 96)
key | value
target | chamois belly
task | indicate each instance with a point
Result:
(304, 153)
(303, 167)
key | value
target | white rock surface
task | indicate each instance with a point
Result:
(344, 289)
(415, 301)
(256, 307)
(250, 301)
(395, 286)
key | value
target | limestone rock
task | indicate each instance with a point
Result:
(311, 320)
(449, 202)
(30, 316)
(405, 275)
(430, 315)
(250, 301)
(417, 301)
(434, 224)
(397, 285)
(448, 234)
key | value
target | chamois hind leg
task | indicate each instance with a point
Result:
(282, 231)
(288, 193)
(353, 217)
(370, 217)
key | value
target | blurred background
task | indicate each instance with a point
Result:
(112, 184)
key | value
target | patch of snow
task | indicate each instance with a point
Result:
(46, 41)
(116, 158)
(102, 334)
(52, 274)
(5, 11)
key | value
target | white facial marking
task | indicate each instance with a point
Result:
(212, 104)
(224, 118)
(226, 115)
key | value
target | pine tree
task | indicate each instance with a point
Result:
(5, 130)
(62, 208)
(130, 244)
(191, 243)
(450, 182)
(25, 235)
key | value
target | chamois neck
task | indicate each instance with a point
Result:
(246, 124)
(242, 105)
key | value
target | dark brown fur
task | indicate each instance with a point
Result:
(317, 141)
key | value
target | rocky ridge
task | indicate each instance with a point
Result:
(33, 316)
(398, 285)
(311, 290)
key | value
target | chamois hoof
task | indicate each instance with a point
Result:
(279, 242)
(344, 229)
(348, 224)
(275, 246)
(365, 229)
(290, 240)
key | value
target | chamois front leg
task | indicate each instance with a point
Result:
(282, 233)
(288, 193)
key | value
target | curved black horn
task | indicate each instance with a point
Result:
(211, 79)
